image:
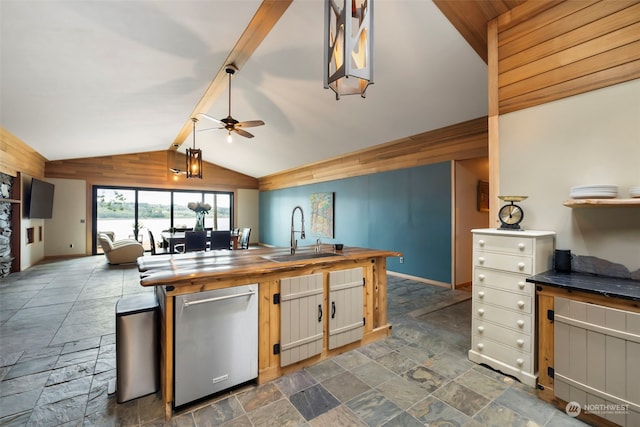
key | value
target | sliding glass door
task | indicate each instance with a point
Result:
(115, 212)
(220, 218)
(131, 213)
(183, 217)
(154, 214)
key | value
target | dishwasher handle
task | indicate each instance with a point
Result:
(202, 301)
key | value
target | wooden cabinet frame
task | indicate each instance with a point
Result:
(374, 309)
(546, 347)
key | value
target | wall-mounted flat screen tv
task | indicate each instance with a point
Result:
(41, 200)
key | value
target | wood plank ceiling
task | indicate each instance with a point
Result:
(470, 18)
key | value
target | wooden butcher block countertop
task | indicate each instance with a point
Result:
(186, 268)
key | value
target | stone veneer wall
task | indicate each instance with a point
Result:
(5, 226)
(602, 267)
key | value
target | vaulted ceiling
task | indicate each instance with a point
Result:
(83, 79)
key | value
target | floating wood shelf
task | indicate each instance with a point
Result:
(597, 203)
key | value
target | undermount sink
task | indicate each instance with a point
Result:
(301, 256)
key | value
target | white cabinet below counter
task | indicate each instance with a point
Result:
(503, 318)
(304, 316)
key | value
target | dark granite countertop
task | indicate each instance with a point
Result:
(602, 285)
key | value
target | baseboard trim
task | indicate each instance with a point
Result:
(420, 279)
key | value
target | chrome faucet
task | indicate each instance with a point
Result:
(294, 242)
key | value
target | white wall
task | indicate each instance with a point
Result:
(592, 138)
(248, 212)
(68, 225)
(31, 253)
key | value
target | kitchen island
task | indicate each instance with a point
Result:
(269, 268)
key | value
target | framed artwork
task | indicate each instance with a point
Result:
(322, 215)
(483, 196)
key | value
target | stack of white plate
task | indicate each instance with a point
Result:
(634, 191)
(594, 192)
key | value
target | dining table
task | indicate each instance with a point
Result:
(173, 238)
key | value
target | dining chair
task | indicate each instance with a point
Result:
(152, 242)
(195, 241)
(220, 239)
(244, 239)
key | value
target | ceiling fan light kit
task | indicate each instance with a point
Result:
(348, 47)
(229, 123)
(194, 157)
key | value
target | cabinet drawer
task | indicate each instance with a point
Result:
(511, 319)
(516, 358)
(509, 337)
(507, 244)
(517, 302)
(512, 263)
(502, 280)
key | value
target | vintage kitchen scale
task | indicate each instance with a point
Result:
(511, 215)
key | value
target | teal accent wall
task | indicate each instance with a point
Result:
(406, 210)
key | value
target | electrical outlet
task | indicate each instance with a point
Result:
(401, 260)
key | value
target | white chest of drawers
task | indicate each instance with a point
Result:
(503, 318)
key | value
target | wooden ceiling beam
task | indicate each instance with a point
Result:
(265, 18)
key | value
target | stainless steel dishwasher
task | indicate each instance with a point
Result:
(215, 341)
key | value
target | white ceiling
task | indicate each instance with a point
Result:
(92, 78)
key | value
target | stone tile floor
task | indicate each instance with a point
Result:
(57, 356)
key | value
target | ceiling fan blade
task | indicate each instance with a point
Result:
(211, 118)
(250, 123)
(243, 133)
(208, 129)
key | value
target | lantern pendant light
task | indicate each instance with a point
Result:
(348, 47)
(194, 157)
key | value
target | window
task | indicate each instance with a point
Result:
(154, 214)
(130, 213)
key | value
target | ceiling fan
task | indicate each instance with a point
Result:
(175, 169)
(229, 123)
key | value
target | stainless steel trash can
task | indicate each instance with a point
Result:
(137, 350)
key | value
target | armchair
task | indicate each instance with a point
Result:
(121, 251)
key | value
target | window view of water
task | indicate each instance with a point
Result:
(118, 208)
(123, 228)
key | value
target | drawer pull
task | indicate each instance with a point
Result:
(481, 277)
(520, 342)
(481, 329)
(481, 260)
(520, 361)
(481, 294)
(481, 242)
(521, 265)
(480, 311)
(520, 323)
(521, 304)
(480, 346)
(521, 246)
(521, 285)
